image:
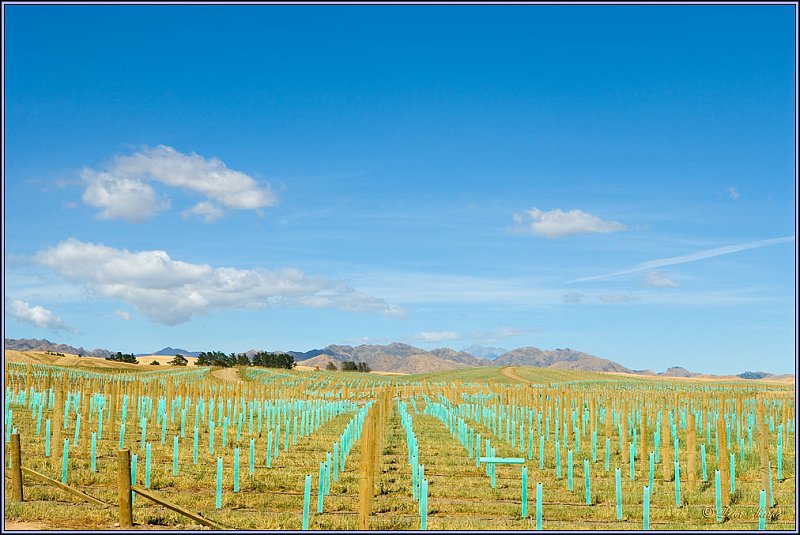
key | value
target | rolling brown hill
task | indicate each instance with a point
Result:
(565, 359)
(398, 358)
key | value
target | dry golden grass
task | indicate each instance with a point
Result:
(39, 357)
(164, 359)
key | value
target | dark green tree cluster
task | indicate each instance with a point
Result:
(179, 360)
(216, 358)
(122, 357)
(273, 360)
(349, 366)
(262, 358)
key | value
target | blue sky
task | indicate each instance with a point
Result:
(614, 179)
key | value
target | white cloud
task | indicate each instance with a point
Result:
(123, 192)
(691, 257)
(38, 316)
(659, 280)
(207, 210)
(121, 314)
(732, 193)
(436, 336)
(119, 197)
(171, 292)
(557, 223)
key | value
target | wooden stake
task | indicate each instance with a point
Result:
(124, 489)
(57, 423)
(62, 486)
(763, 428)
(364, 483)
(724, 461)
(663, 446)
(16, 469)
(644, 453)
(197, 518)
(691, 446)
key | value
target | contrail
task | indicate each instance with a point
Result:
(700, 255)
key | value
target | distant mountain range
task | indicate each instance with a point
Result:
(485, 352)
(404, 358)
(171, 351)
(31, 344)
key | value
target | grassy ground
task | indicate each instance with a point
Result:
(460, 494)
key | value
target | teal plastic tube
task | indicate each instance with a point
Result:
(252, 456)
(47, 438)
(588, 481)
(134, 463)
(94, 452)
(569, 470)
(175, 455)
(703, 461)
(306, 501)
(64, 461)
(236, 469)
(618, 481)
(147, 460)
(539, 506)
(524, 492)
(632, 462)
(423, 524)
(219, 481)
(195, 443)
(269, 449)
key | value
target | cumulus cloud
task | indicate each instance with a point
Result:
(207, 210)
(617, 298)
(121, 197)
(573, 297)
(123, 190)
(37, 316)
(171, 292)
(121, 314)
(557, 223)
(659, 280)
(436, 336)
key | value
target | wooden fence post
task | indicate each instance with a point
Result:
(723, 465)
(16, 469)
(57, 421)
(762, 424)
(124, 489)
(365, 485)
(691, 447)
